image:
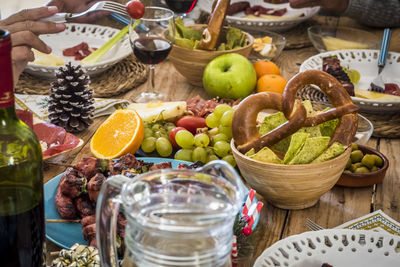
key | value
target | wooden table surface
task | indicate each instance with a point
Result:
(337, 206)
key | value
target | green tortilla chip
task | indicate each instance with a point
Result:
(313, 131)
(250, 152)
(309, 108)
(312, 148)
(271, 122)
(186, 43)
(266, 155)
(296, 144)
(327, 128)
(331, 152)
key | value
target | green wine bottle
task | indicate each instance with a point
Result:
(22, 232)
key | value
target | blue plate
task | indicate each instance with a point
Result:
(67, 234)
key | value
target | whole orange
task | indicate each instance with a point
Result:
(263, 67)
(271, 83)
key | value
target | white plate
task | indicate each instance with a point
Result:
(250, 24)
(339, 248)
(74, 34)
(366, 63)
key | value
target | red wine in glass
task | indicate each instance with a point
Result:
(151, 50)
(181, 6)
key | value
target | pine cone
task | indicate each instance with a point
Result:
(71, 103)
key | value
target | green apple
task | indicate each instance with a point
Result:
(229, 76)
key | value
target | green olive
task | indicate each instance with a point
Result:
(354, 146)
(362, 170)
(347, 171)
(356, 156)
(355, 166)
(374, 169)
(368, 160)
(378, 160)
(348, 164)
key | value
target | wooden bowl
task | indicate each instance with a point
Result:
(365, 179)
(192, 62)
(291, 186)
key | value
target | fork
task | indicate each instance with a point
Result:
(377, 84)
(313, 226)
(99, 6)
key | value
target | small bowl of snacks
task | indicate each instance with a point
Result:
(189, 57)
(295, 154)
(267, 46)
(328, 38)
(365, 167)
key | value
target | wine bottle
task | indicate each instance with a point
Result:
(22, 232)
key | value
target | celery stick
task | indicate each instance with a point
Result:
(96, 55)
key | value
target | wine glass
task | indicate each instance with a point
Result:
(181, 7)
(151, 41)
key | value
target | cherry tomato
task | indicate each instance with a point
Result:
(191, 123)
(172, 134)
(135, 9)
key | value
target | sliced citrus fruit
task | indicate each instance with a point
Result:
(119, 134)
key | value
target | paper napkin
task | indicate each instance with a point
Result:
(38, 104)
(376, 221)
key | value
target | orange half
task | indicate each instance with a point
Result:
(119, 134)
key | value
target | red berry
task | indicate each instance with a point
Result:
(247, 231)
(135, 9)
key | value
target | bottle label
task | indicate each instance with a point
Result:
(6, 76)
(6, 99)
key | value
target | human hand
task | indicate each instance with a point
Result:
(25, 26)
(78, 6)
(337, 6)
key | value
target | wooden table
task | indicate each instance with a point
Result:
(337, 206)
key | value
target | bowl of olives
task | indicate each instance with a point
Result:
(365, 167)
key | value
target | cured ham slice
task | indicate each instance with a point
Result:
(56, 138)
(49, 133)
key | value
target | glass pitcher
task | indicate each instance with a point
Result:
(174, 217)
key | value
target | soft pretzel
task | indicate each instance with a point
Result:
(244, 129)
(211, 33)
(343, 106)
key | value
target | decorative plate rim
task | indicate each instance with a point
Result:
(116, 57)
(310, 10)
(358, 100)
(276, 248)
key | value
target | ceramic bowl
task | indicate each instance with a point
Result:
(192, 62)
(327, 38)
(365, 179)
(291, 186)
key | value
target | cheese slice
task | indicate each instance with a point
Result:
(155, 111)
(47, 59)
(333, 43)
(374, 95)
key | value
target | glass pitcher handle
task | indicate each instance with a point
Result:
(224, 169)
(107, 209)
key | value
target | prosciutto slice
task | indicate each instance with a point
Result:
(55, 137)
